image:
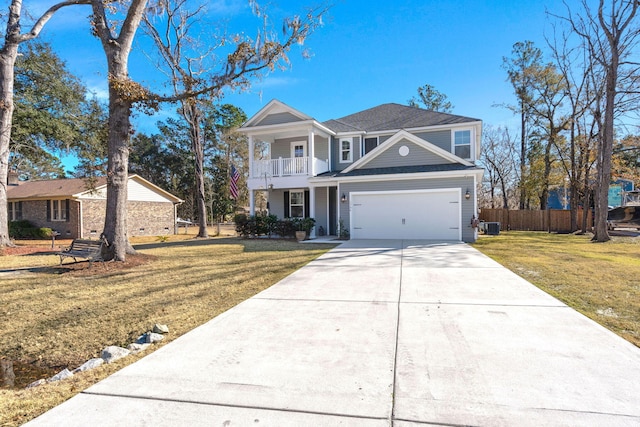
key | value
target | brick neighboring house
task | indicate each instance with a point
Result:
(71, 208)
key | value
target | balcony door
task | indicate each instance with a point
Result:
(298, 157)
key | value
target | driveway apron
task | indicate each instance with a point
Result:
(379, 333)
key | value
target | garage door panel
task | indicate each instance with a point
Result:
(407, 215)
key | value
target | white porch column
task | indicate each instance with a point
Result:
(312, 153)
(330, 159)
(252, 202)
(312, 209)
(251, 154)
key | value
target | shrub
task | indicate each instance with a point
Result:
(242, 225)
(23, 229)
(270, 225)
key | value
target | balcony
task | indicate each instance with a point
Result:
(282, 167)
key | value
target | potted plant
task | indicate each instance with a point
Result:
(304, 226)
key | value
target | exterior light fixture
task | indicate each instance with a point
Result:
(343, 198)
(270, 186)
(467, 195)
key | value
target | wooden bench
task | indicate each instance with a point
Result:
(82, 248)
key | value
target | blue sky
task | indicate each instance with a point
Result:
(367, 53)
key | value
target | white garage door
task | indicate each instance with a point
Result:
(433, 214)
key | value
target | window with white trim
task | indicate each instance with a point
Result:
(15, 211)
(346, 150)
(58, 210)
(462, 143)
(296, 204)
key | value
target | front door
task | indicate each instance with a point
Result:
(298, 157)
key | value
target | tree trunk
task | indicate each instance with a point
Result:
(198, 150)
(547, 171)
(605, 151)
(115, 225)
(505, 199)
(523, 153)
(573, 183)
(586, 204)
(7, 60)
(117, 53)
(8, 56)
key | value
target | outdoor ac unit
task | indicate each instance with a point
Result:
(492, 228)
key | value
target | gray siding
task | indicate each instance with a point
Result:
(282, 147)
(335, 148)
(276, 203)
(417, 184)
(277, 119)
(321, 210)
(417, 156)
(321, 148)
(441, 138)
(383, 138)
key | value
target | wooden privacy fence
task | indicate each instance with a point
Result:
(552, 220)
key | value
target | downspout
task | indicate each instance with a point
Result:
(80, 220)
(175, 218)
(475, 205)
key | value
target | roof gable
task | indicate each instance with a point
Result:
(80, 188)
(276, 112)
(406, 143)
(394, 117)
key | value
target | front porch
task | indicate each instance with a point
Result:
(319, 203)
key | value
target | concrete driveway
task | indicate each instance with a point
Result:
(380, 333)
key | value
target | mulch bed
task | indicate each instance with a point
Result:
(81, 268)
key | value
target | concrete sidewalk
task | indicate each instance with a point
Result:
(379, 333)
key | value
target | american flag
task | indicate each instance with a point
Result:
(233, 185)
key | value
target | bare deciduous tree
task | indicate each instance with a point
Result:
(609, 34)
(501, 166)
(245, 60)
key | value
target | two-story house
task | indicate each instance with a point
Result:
(389, 172)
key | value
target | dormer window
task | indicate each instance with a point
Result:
(462, 143)
(346, 150)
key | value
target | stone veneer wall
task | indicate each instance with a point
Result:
(143, 218)
(93, 217)
(150, 218)
(35, 211)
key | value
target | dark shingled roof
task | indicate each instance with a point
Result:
(393, 117)
(404, 169)
(50, 188)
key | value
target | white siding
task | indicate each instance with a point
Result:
(140, 193)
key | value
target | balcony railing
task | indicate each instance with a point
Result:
(295, 166)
